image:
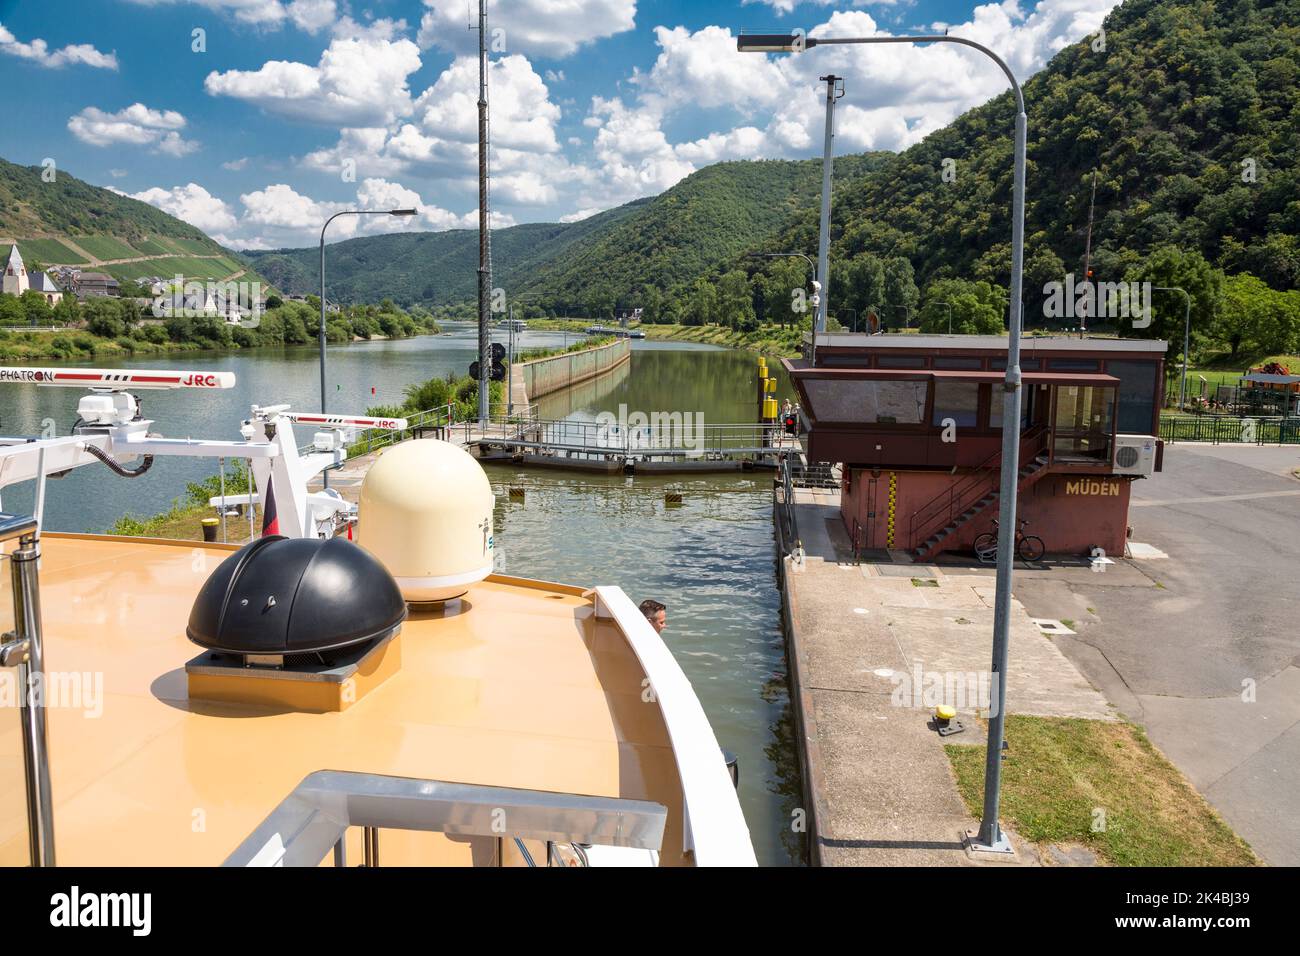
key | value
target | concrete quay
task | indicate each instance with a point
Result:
(879, 788)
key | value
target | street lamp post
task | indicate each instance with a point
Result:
(325, 476)
(907, 313)
(817, 286)
(1187, 335)
(990, 837)
(948, 306)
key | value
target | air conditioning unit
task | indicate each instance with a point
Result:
(1135, 454)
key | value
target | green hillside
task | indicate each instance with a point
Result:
(694, 227)
(689, 229)
(1191, 118)
(70, 222)
(35, 209)
(433, 268)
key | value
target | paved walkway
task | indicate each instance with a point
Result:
(882, 789)
(1206, 655)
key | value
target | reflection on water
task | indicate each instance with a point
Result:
(711, 561)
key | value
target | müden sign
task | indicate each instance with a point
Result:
(1091, 486)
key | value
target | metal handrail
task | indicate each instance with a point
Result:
(1228, 429)
(313, 820)
(787, 503)
(443, 416)
(958, 497)
(24, 648)
(661, 438)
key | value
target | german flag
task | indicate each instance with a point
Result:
(270, 522)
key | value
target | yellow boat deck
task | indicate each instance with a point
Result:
(516, 685)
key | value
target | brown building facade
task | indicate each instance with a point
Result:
(917, 423)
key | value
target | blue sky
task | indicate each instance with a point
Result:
(283, 111)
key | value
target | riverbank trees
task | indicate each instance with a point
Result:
(125, 325)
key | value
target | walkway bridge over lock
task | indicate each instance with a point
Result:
(671, 444)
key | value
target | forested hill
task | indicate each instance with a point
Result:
(432, 268)
(1191, 117)
(35, 206)
(693, 227)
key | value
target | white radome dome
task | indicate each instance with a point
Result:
(425, 512)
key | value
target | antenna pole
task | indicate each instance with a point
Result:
(484, 226)
(1087, 256)
(834, 90)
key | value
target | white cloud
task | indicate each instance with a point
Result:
(581, 214)
(895, 94)
(280, 206)
(440, 141)
(280, 216)
(553, 28)
(787, 6)
(523, 117)
(191, 203)
(308, 15)
(136, 125)
(38, 51)
(358, 82)
(235, 165)
(312, 16)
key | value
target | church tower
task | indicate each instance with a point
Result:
(15, 280)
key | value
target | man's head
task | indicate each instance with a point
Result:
(655, 613)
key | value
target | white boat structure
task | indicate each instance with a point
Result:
(308, 700)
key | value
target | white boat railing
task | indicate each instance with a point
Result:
(314, 819)
(715, 829)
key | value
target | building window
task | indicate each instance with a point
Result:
(871, 402)
(1137, 395)
(958, 361)
(1073, 365)
(959, 401)
(1026, 364)
(995, 407)
(1083, 423)
(900, 361)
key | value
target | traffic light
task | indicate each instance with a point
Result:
(498, 351)
(497, 372)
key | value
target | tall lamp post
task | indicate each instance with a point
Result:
(818, 315)
(948, 306)
(325, 475)
(990, 837)
(1187, 335)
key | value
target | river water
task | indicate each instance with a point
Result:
(711, 560)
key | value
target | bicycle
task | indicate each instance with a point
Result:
(1029, 547)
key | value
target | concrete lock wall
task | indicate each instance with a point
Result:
(546, 375)
(1071, 513)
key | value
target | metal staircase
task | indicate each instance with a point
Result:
(951, 510)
